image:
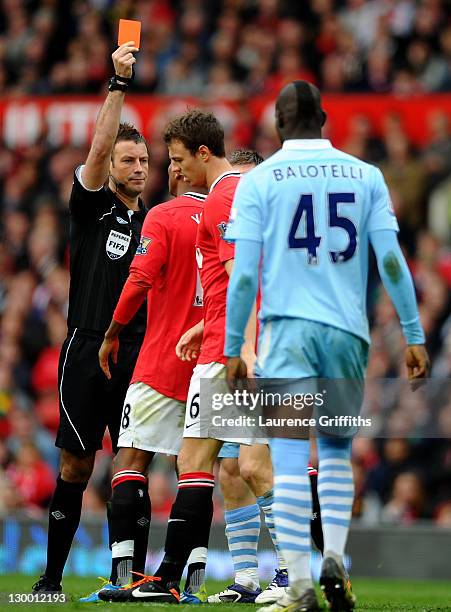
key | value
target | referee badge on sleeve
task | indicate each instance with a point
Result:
(142, 247)
(117, 244)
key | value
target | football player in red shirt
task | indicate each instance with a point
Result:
(196, 148)
(164, 269)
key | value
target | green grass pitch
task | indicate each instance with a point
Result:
(373, 595)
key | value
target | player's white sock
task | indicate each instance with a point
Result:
(292, 509)
(336, 492)
(265, 502)
(123, 553)
(196, 563)
(242, 531)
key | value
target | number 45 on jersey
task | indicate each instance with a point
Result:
(311, 241)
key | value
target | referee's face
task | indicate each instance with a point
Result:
(130, 167)
(191, 167)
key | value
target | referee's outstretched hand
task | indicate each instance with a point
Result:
(110, 346)
(123, 59)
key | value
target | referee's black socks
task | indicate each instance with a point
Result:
(129, 521)
(64, 518)
(188, 527)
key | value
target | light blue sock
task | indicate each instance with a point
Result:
(335, 492)
(292, 509)
(242, 531)
(266, 502)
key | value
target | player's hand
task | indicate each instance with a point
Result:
(236, 373)
(123, 59)
(110, 346)
(188, 347)
(417, 362)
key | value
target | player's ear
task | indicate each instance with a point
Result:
(323, 118)
(204, 153)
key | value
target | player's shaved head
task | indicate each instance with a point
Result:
(298, 111)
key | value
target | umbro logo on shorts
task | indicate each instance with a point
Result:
(58, 515)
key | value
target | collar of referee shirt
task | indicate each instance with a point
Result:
(117, 201)
(307, 143)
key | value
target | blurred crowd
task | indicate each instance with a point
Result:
(229, 47)
(235, 48)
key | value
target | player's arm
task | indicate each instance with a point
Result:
(245, 229)
(250, 333)
(382, 231)
(96, 168)
(398, 282)
(241, 295)
(131, 299)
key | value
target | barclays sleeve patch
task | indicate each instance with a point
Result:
(143, 245)
(222, 228)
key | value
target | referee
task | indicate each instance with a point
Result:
(106, 217)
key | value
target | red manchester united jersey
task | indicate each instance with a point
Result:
(166, 259)
(212, 252)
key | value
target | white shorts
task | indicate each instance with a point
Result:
(194, 415)
(151, 421)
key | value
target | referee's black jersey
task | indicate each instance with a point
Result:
(104, 235)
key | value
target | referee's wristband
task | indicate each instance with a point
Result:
(123, 79)
(115, 84)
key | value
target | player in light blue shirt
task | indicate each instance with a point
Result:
(306, 217)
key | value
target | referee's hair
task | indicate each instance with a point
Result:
(127, 131)
(242, 157)
(194, 129)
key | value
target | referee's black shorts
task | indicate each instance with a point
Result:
(89, 402)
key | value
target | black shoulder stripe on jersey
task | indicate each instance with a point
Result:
(226, 175)
(197, 196)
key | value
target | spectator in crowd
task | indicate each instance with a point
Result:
(32, 477)
(405, 176)
(443, 515)
(375, 45)
(407, 500)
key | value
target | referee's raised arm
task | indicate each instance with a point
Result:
(96, 169)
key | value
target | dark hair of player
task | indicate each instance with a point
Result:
(308, 103)
(298, 111)
(194, 129)
(242, 157)
(127, 131)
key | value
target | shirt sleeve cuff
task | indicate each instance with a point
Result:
(78, 174)
(233, 345)
(413, 332)
(231, 238)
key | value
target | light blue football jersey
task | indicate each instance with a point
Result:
(312, 207)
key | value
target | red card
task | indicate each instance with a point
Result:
(129, 30)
